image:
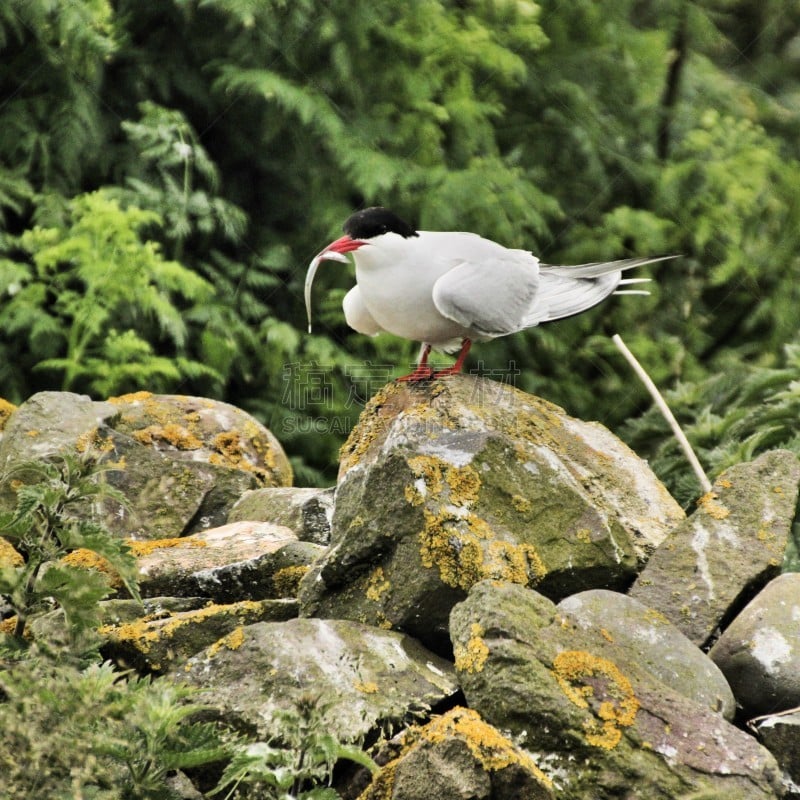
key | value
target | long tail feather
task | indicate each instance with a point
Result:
(598, 268)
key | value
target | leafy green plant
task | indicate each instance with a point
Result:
(96, 733)
(296, 764)
(89, 300)
(48, 524)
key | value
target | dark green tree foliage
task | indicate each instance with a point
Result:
(246, 132)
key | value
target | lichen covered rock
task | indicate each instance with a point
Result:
(596, 726)
(159, 641)
(626, 632)
(181, 462)
(730, 547)
(307, 512)
(361, 678)
(238, 561)
(458, 756)
(443, 485)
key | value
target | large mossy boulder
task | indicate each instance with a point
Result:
(448, 483)
(181, 462)
(600, 723)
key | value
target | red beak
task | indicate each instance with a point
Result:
(344, 245)
(335, 251)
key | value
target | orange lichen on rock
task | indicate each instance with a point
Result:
(88, 559)
(9, 557)
(286, 581)
(617, 710)
(233, 641)
(131, 397)
(456, 540)
(6, 410)
(490, 749)
(377, 585)
(92, 440)
(144, 548)
(180, 437)
(708, 503)
(472, 656)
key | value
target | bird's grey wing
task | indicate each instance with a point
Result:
(566, 291)
(357, 315)
(492, 297)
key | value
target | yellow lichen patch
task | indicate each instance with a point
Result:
(91, 440)
(448, 543)
(176, 435)
(140, 549)
(724, 484)
(489, 747)
(144, 632)
(465, 550)
(230, 453)
(708, 503)
(33, 433)
(9, 557)
(584, 535)
(286, 581)
(464, 484)
(8, 626)
(88, 559)
(366, 687)
(520, 503)
(6, 410)
(430, 470)
(472, 656)
(233, 641)
(368, 429)
(606, 635)
(777, 489)
(377, 585)
(615, 704)
(131, 397)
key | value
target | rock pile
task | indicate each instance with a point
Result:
(504, 598)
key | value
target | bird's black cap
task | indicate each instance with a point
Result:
(374, 221)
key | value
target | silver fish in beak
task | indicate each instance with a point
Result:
(335, 251)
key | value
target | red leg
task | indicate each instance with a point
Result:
(422, 372)
(456, 368)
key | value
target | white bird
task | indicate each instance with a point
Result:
(450, 289)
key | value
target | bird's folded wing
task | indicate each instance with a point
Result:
(491, 298)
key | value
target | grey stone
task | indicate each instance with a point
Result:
(307, 512)
(357, 678)
(627, 632)
(727, 550)
(181, 462)
(759, 652)
(780, 734)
